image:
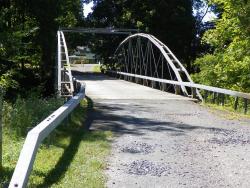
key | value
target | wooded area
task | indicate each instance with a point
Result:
(28, 42)
(215, 52)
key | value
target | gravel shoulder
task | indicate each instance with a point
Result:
(168, 142)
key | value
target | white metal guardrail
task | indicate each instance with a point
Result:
(193, 86)
(38, 134)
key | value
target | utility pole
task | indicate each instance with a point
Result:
(1, 129)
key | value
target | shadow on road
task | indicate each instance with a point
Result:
(77, 134)
(111, 116)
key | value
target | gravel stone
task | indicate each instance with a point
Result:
(144, 167)
(229, 137)
(199, 147)
(136, 147)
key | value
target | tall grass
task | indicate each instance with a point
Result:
(225, 102)
(26, 113)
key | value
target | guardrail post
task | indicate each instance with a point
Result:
(245, 106)
(194, 92)
(222, 99)
(128, 78)
(177, 90)
(164, 87)
(206, 93)
(137, 80)
(236, 102)
(214, 97)
(153, 84)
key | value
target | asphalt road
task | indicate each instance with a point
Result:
(164, 140)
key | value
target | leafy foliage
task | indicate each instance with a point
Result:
(27, 113)
(171, 21)
(70, 145)
(28, 40)
(229, 64)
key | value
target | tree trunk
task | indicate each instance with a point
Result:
(1, 129)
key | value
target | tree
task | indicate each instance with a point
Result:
(169, 20)
(28, 40)
(228, 65)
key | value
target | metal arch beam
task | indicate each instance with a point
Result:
(177, 60)
(165, 51)
(173, 63)
(67, 61)
(160, 47)
(64, 77)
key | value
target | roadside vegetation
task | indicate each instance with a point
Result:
(227, 107)
(71, 157)
(226, 103)
(226, 63)
(97, 69)
(227, 111)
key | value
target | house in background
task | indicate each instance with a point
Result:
(83, 55)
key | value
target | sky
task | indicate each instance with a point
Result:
(209, 16)
(87, 9)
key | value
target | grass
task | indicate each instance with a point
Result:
(225, 104)
(228, 111)
(75, 157)
(27, 113)
(96, 68)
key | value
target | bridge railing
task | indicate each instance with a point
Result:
(39, 133)
(194, 87)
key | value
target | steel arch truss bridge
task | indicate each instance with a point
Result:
(143, 54)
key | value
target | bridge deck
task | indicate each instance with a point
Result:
(163, 140)
(104, 87)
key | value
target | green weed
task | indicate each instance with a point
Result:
(24, 114)
(96, 68)
(75, 156)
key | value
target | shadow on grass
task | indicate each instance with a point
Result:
(5, 175)
(77, 133)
